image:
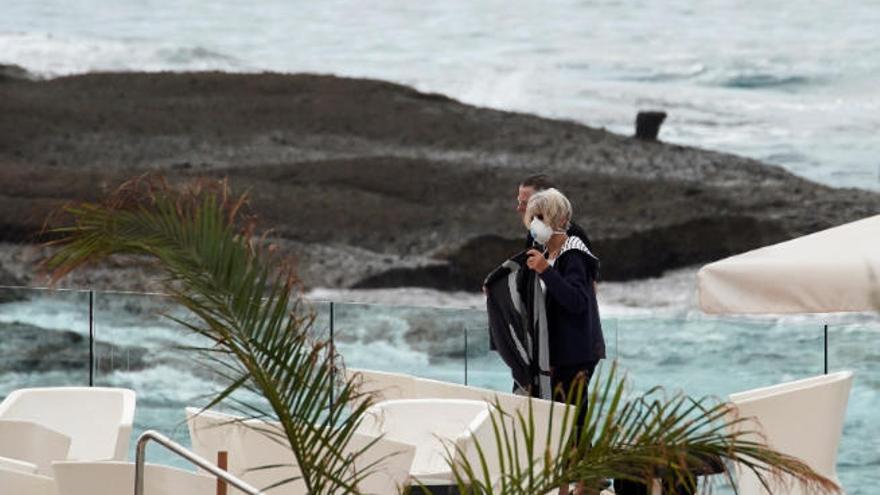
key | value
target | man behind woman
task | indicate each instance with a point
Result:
(536, 183)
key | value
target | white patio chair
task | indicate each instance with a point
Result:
(97, 420)
(16, 482)
(211, 432)
(389, 462)
(803, 418)
(391, 386)
(117, 478)
(384, 385)
(18, 465)
(253, 443)
(435, 427)
(32, 443)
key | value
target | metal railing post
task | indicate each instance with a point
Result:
(91, 338)
(465, 355)
(332, 322)
(332, 353)
(140, 456)
(826, 348)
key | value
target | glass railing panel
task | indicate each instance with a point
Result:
(141, 347)
(486, 369)
(44, 338)
(717, 356)
(610, 330)
(420, 341)
(46, 343)
(854, 345)
(319, 326)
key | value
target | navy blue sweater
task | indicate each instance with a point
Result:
(572, 311)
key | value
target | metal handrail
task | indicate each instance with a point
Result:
(140, 455)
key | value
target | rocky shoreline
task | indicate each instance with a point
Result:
(31, 349)
(373, 184)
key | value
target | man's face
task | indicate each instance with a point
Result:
(522, 199)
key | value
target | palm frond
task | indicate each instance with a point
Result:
(639, 439)
(241, 296)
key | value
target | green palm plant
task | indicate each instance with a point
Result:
(638, 439)
(245, 299)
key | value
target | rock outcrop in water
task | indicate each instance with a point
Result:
(29, 349)
(375, 184)
(15, 73)
(8, 280)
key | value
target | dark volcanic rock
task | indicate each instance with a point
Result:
(442, 336)
(9, 72)
(29, 349)
(642, 254)
(464, 268)
(445, 276)
(651, 252)
(7, 282)
(357, 169)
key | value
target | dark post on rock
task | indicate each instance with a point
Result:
(648, 124)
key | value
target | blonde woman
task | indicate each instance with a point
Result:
(567, 271)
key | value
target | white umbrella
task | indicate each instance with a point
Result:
(834, 270)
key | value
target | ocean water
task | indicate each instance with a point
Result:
(790, 83)
(669, 344)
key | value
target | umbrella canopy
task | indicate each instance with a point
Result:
(834, 270)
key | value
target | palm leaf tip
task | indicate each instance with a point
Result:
(639, 438)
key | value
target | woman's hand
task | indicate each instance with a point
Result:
(537, 261)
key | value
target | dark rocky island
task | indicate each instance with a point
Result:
(374, 184)
(29, 349)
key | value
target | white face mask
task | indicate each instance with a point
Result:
(541, 232)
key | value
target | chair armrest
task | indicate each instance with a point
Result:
(17, 465)
(32, 443)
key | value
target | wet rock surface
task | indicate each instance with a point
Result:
(11, 72)
(373, 184)
(26, 348)
(7, 281)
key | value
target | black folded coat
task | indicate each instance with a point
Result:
(530, 333)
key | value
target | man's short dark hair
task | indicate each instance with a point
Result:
(538, 182)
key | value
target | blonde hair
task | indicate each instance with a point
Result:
(552, 205)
